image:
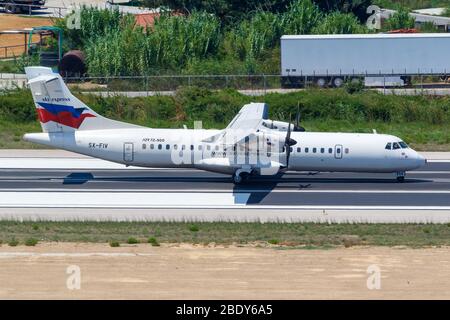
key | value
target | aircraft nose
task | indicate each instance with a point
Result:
(421, 161)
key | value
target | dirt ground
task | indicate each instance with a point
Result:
(218, 272)
(12, 22)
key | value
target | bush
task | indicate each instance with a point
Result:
(399, 20)
(194, 228)
(153, 242)
(13, 242)
(132, 240)
(339, 23)
(114, 244)
(31, 242)
(273, 241)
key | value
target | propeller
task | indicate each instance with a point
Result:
(297, 127)
(288, 143)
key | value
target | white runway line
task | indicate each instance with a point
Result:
(84, 163)
(225, 191)
(16, 199)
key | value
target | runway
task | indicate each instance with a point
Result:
(84, 188)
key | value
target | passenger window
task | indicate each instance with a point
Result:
(175, 147)
(299, 150)
(183, 147)
(322, 150)
(199, 147)
(144, 146)
(192, 147)
(346, 150)
(395, 146)
(159, 146)
(306, 150)
(314, 150)
(388, 146)
(208, 147)
(330, 150)
(152, 146)
(338, 150)
(217, 148)
(291, 149)
(167, 146)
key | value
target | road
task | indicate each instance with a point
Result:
(85, 188)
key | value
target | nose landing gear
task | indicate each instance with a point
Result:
(401, 176)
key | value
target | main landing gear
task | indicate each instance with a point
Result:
(401, 176)
(240, 176)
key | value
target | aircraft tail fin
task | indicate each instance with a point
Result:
(60, 111)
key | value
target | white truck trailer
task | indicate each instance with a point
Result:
(381, 59)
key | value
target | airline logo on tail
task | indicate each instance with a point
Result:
(66, 115)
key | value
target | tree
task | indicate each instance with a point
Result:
(226, 10)
(235, 10)
(357, 7)
(399, 20)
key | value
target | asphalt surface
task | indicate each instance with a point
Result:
(427, 187)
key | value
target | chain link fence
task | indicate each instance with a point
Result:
(247, 84)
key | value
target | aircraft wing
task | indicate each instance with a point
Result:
(245, 123)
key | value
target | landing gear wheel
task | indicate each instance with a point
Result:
(11, 9)
(321, 82)
(240, 177)
(338, 82)
(400, 176)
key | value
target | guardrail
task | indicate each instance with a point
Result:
(59, 12)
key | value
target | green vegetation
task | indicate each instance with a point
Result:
(153, 242)
(203, 40)
(114, 244)
(194, 228)
(290, 234)
(13, 242)
(31, 242)
(411, 4)
(421, 120)
(132, 240)
(231, 12)
(400, 20)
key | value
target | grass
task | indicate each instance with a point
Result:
(422, 121)
(8, 66)
(286, 235)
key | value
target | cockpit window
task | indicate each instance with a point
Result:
(403, 145)
(388, 146)
(395, 146)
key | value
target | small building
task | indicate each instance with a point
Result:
(443, 23)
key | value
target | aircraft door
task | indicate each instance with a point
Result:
(128, 152)
(338, 151)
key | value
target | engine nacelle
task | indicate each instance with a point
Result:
(277, 125)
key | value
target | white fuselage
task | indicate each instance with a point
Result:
(169, 148)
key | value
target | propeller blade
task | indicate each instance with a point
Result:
(288, 142)
(297, 116)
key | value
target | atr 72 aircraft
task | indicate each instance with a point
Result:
(250, 145)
